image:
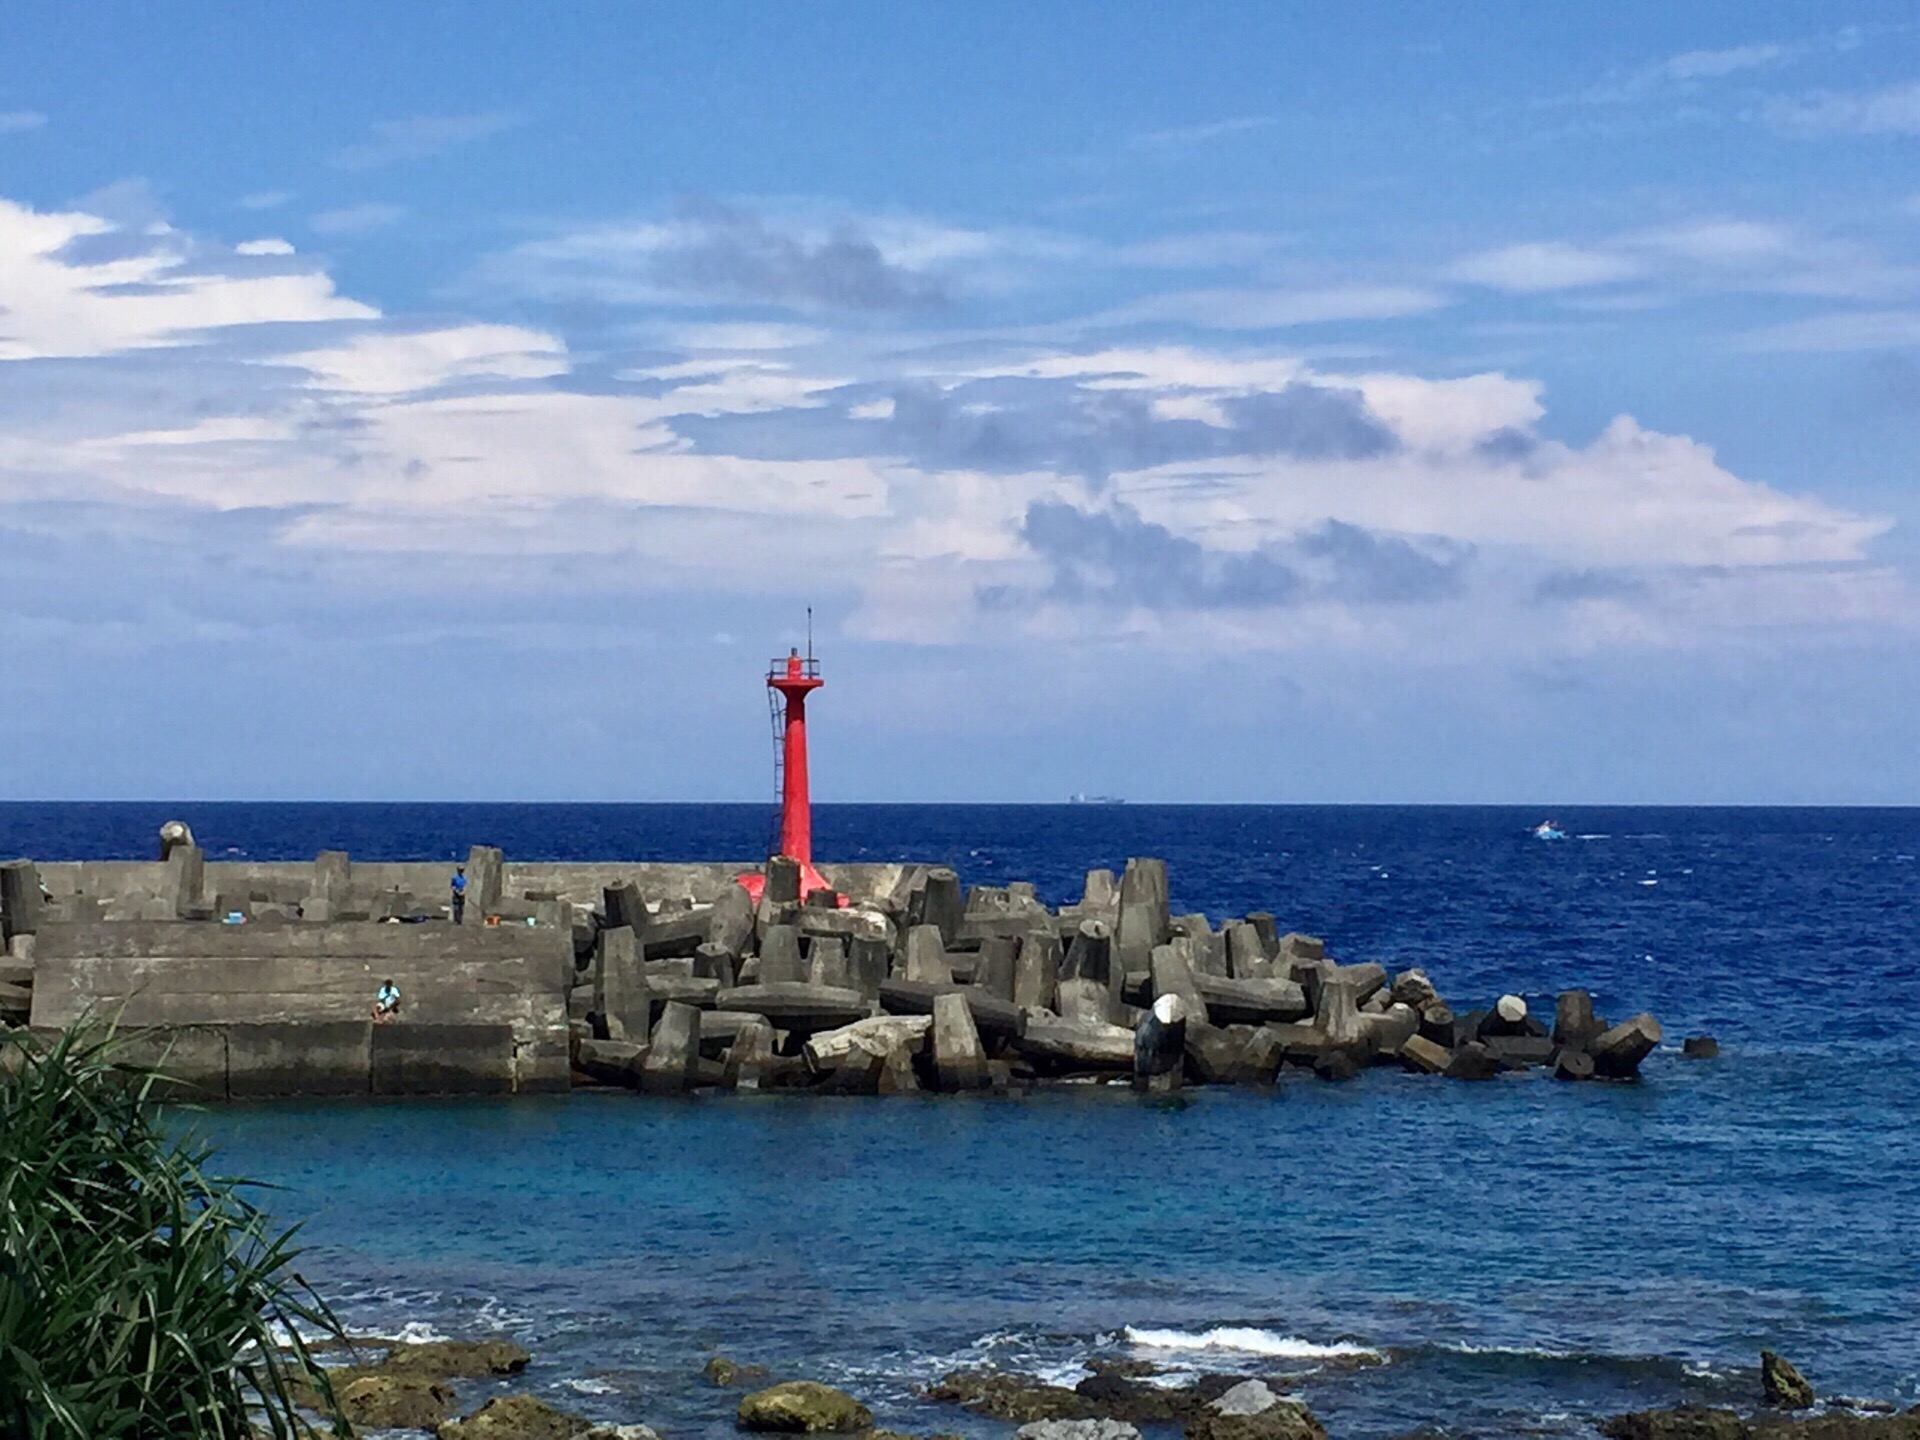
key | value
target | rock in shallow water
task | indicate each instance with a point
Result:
(721, 1371)
(803, 1407)
(393, 1402)
(1077, 1430)
(1782, 1384)
(1249, 1397)
(515, 1417)
(1010, 1397)
(1282, 1420)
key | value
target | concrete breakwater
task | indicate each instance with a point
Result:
(266, 979)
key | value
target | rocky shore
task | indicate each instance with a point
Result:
(262, 980)
(414, 1387)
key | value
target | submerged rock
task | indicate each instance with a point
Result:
(721, 1371)
(802, 1407)
(1006, 1396)
(1782, 1384)
(1699, 1422)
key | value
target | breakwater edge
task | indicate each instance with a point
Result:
(1515, 1250)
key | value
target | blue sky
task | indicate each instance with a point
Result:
(1260, 402)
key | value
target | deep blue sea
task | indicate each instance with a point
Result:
(1517, 1257)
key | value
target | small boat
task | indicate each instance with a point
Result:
(1547, 830)
(1095, 800)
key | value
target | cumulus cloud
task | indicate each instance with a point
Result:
(711, 253)
(1219, 499)
(1113, 557)
(420, 137)
(74, 284)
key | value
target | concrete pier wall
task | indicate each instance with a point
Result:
(120, 883)
(254, 1010)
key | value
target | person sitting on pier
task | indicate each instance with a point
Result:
(386, 1002)
(458, 885)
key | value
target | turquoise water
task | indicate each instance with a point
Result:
(1518, 1257)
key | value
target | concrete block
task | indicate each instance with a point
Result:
(1066, 1047)
(1617, 1052)
(1143, 921)
(1213, 1052)
(1247, 957)
(750, 1058)
(783, 880)
(780, 962)
(1036, 970)
(672, 1051)
(730, 925)
(317, 1058)
(993, 972)
(1259, 1060)
(19, 898)
(622, 904)
(622, 997)
(877, 1033)
(959, 1061)
(1421, 1055)
(796, 1007)
(942, 906)
(610, 1062)
(1295, 946)
(926, 956)
(1249, 1002)
(184, 884)
(715, 962)
(332, 877)
(868, 957)
(827, 963)
(1268, 932)
(485, 867)
(1160, 1043)
(1574, 1023)
(1172, 974)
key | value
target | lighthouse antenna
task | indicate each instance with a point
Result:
(809, 632)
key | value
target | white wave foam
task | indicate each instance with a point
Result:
(419, 1332)
(591, 1386)
(1248, 1340)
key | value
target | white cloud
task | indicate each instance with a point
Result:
(1249, 309)
(142, 296)
(398, 363)
(1542, 266)
(1715, 64)
(270, 245)
(13, 122)
(264, 199)
(756, 460)
(420, 137)
(1893, 111)
(1840, 331)
(355, 219)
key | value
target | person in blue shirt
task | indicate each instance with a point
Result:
(459, 887)
(386, 1002)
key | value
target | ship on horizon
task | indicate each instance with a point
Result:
(1095, 800)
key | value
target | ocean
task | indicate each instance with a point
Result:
(1514, 1258)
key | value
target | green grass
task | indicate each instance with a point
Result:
(139, 1295)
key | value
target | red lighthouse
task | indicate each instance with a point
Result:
(795, 679)
(789, 682)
